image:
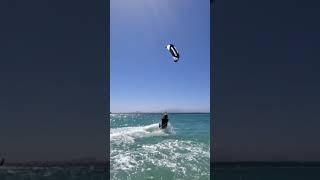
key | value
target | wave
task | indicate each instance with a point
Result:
(129, 134)
(183, 158)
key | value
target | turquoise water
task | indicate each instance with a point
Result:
(140, 150)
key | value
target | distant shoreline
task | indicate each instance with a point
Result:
(159, 112)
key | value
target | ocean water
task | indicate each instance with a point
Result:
(140, 150)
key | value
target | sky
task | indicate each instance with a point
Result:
(266, 61)
(53, 76)
(143, 76)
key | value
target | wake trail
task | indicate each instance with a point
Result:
(131, 133)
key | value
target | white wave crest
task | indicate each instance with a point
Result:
(129, 134)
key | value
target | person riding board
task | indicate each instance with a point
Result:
(164, 121)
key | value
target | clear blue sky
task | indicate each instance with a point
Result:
(143, 74)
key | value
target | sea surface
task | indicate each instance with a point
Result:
(140, 150)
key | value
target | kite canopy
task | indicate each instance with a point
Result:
(173, 51)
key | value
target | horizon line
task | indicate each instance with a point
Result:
(140, 112)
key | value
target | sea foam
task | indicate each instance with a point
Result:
(129, 134)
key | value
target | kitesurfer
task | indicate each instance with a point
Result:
(164, 121)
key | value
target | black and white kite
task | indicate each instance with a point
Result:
(173, 51)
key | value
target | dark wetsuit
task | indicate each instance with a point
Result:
(164, 121)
